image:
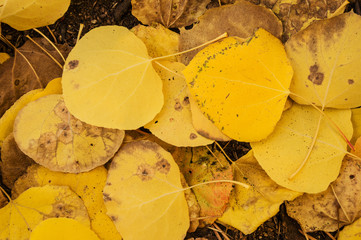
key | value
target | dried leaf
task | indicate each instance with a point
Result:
(249, 208)
(24, 15)
(143, 193)
(241, 87)
(265, 3)
(45, 131)
(109, 80)
(240, 19)
(17, 77)
(22, 215)
(284, 151)
(171, 14)
(326, 69)
(174, 122)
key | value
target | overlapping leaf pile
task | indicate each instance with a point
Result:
(169, 182)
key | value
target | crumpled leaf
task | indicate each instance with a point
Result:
(88, 186)
(356, 122)
(22, 215)
(7, 120)
(297, 15)
(159, 40)
(45, 131)
(339, 205)
(174, 122)
(249, 208)
(203, 125)
(27, 14)
(106, 75)
(170, 13)
(17, 77)
(240, 19)
(326, 69)
(13, 162)
(143, 193)
(284, 151)
(241, 87)
(3, 56)
(199, 165)
(62, 228)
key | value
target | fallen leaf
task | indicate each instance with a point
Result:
(173, 124)
(3, 200)
(17, 76)
(356, 122)
(339, 205)
(172, 14)
(159, 40)
(62, 228)
(240, 19)
(297, 15)
(45, 131)
(88, 186)
(22, 215)
(351, 232)
(4, 57)
(143, 193)
(200, 165)
(265, 3)
(284, 151)
(249, 208)
(24, 15)
(109, 80)
(241, 87)
(13, 162)
(326, 69)
(7, 120)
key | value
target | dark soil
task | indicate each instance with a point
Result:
(94, 13)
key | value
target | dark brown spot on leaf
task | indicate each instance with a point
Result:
(106, 197)
(162, 166)
(350, 81)
(315, 77)
(17, 82)
(192, 136)
(47, 145)
(186, 101)
(145, 172)
(114, 218)
(178, 105)
(73, 64)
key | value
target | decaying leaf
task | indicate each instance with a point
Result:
(249, 208)
(174, 122)
(143, 193)
(46, 131)
(200, 165)
(266, 3)
(109, 81)
(240, 19)
(3, 56)
(23, 15)
(17, 76)
(203, 125)
(339, 205)
(7, 120)
(22, 215)
(325, 58)
(159, 40)
(13, 162)
(356, 122)
(88, 186)
(241, 87)
(284, 151)
(171, 14)
(62, 228)
(297, 15)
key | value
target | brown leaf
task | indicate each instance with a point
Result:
(171, 14)
(3, 200)
(14, 162)
(240, 19)
(266, 3)
(17, 77)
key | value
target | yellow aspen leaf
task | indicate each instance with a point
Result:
(356, 122)
(45, 131)
(3, 56)
(173, 124)
(249, 208)
(285, 150)
(109, 80)
(143, 194)
(22, 215)
(62, 228)
(159, 40)
(241, 87)
(27, 14)
(203, 125)
(325, 57)
(88, 186)
(351, 232)
(7, 120)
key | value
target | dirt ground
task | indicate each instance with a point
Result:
(94, 13)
